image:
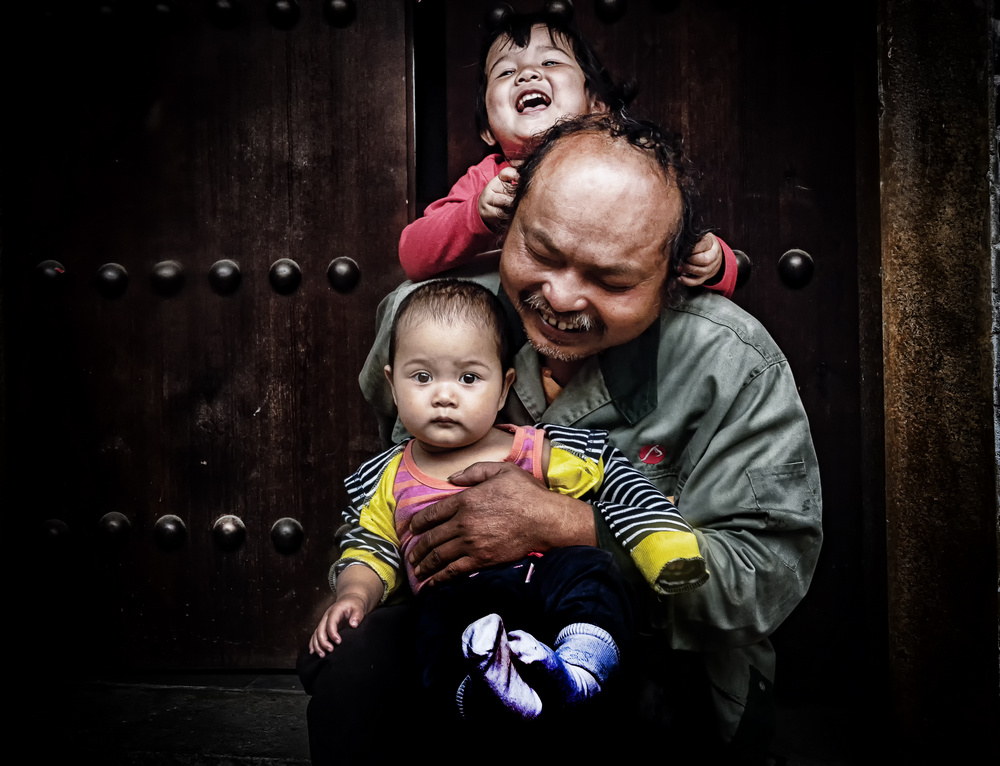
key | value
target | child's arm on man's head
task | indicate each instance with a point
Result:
(451, 231)
(712, 265)
(495, 200)
(359, 590)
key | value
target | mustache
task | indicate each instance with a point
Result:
(577, 321)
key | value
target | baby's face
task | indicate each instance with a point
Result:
(529, 89)
(447, 382)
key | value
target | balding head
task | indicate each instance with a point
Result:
(621, 139)
(602, 211)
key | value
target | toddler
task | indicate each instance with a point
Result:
(534, 71)
(450, 371)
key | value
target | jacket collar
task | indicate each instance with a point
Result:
(629, 370)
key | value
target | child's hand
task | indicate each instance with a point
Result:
(348, 608)
(495, 200)
(704, 263)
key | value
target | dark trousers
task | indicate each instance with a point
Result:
(400, 669)
(369, 703)
(539, 594)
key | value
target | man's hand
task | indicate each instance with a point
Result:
(495, 200)
(704, 263)
(504, 515)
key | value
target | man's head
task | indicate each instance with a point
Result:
(534, 70)
(601, 219)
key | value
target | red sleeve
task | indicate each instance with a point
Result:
(450, 233)
(726, 278)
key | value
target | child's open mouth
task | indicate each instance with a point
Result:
(532, 100)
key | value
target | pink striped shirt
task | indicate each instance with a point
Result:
(414, 490)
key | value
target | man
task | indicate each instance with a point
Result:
(692, 390)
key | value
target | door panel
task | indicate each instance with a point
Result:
(138, 141)
(145, 140)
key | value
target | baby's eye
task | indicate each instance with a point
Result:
(505, 73)
(469, 378)
(422, 377)
(550, 62)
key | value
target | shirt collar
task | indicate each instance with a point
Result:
(629, 370)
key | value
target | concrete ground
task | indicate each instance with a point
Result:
(248, 719)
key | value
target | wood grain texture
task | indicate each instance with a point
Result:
(196, 144)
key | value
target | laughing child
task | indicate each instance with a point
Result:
(535, 70)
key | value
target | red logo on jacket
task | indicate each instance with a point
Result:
(651, 454)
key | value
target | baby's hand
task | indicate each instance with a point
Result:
(326, 635)
(703, 263)
(495, 200)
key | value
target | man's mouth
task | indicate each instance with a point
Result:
(575, 322)
(532, 100)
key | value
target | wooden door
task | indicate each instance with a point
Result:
(151, 392)
(764, 97)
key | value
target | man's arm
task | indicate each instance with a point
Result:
(753, 497)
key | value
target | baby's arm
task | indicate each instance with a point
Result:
(451, 231)
(359, 590)
(649, 526)
(712, 265)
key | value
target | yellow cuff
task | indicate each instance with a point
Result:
(670, 561)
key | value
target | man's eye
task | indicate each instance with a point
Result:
(422, 377)
(615, 288)
(469, 378)
(542, 260)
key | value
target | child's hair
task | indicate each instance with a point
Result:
(517, 27)
(454, 300)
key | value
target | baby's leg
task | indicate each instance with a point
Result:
(485, 643)
(575, 669)
(522, 672)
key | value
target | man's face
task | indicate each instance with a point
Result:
(585, 259)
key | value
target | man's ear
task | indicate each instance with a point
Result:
(487, 136)
(508, 381)
(597, 106)
(388, 376)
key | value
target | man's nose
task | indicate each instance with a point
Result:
(564, 294)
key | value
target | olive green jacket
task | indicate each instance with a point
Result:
(704, 404)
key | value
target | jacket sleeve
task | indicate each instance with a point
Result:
(451, 232)
(752, 495)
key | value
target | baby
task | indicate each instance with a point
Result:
(450, 371)
(535, 70)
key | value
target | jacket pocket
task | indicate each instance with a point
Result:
(787, 504)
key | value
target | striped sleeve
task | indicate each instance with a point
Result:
(649, 526)
(372, 537)
(645, 523)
